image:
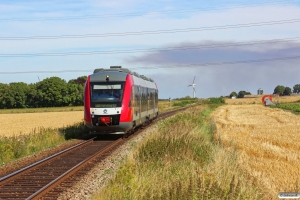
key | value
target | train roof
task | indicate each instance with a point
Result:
(117, 73)
(113, 76)
(113, 68)
(143, 83)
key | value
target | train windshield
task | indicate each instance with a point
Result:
(106, 92)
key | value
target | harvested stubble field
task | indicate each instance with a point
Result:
(257, 100)
(26, 123)
(267, 142)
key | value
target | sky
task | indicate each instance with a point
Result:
(225, 45)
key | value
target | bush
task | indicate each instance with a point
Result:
(214, 100)
(183, 102)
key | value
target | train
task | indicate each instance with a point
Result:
(117, 100)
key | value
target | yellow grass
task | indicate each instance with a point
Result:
(25, 123)
(282, 99)
(267, 141)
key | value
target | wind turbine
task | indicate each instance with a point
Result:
(193, 85)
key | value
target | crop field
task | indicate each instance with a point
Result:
(294, 107)
(26, 123)
(257, 100)
(267, 142)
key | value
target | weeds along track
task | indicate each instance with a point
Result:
(49, 177)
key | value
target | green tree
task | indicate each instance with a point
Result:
(279, 90)
(33, 100)
(52, 92)
(75, 90)
(4, 88)
(80, 80)
(233, 94)
(242, 93)
(17, 95)
(75, 94)
(287, 91)
(296, 88)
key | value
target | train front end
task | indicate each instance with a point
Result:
(107, 96)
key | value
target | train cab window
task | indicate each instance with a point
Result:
(103, 92)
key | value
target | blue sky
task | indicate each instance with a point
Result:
(217, 49)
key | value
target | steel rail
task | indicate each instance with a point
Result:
(70, 172)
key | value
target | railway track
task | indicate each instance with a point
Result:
(49, 177)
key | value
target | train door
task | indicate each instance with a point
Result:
(152, 102)
(147, 101)
(140, 103)
(137, 104)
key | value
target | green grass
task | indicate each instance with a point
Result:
(214, 100)
(184, 102)
(180, 160)
(290, 106)
(39, 110)
(19, 146)
(164, 106)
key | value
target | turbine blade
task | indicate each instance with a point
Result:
(194, 80)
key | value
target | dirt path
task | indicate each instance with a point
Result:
(268, 143)
(25, 123)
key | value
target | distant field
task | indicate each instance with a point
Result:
(241, 101)
(267, 141)
(41, 110)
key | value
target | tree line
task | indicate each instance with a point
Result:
(279, 89)
(50, 92)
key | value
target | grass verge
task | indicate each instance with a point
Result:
(183, 102)
(164, 106)
(15, 147)
(181, 160)
(295, 107)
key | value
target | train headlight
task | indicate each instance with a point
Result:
(107, 77)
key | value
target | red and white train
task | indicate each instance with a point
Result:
(116, 101)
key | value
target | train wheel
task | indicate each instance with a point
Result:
(125, 135)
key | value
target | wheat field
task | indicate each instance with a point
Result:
(257, 100)
(26, 123)
(267, 142)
